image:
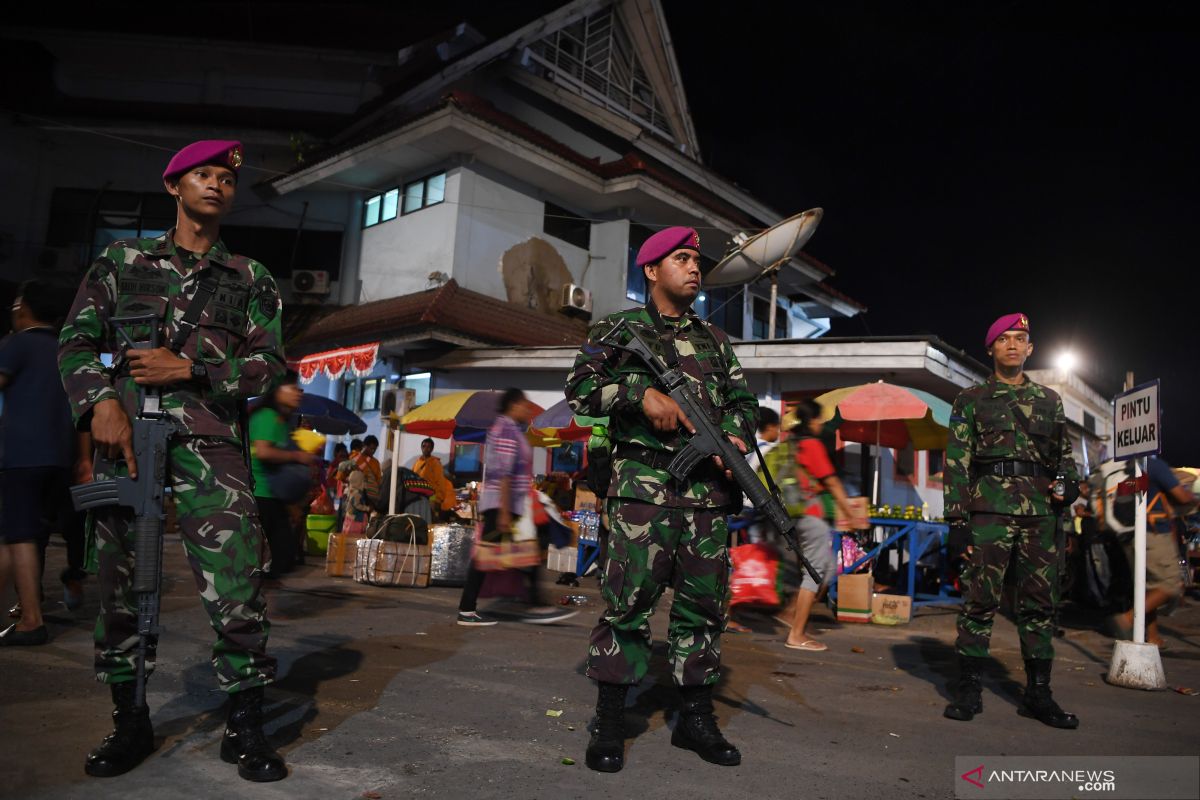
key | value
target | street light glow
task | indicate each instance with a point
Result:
(1066, 361)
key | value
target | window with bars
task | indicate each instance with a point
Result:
(594, 57)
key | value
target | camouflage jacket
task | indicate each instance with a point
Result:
(984, 428)
(608, 382)
(238, 337)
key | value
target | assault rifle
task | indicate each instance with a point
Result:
(708, 440)
(152, 431)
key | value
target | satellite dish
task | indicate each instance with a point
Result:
(764, 252)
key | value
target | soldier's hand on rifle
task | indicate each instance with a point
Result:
(664, 413)
(112, 433)
(740, 445)
(158, 367)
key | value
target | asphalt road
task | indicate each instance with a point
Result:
(380, 694)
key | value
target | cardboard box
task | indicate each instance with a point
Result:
(562, 559)
(858, 521)
(891, 609)
(585, 499)
(854, 597)
(339, 558)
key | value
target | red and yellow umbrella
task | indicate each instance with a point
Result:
(463, 415)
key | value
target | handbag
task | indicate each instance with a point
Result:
(289, 482)
(496, 550)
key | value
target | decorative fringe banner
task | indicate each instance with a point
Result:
(359, 360)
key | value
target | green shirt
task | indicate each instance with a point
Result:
(265, 426)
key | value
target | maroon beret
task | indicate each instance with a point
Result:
(1009, 322)
(222, 152)
(666, 242)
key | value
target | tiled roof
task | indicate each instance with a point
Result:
(448, 308)
(480, 108)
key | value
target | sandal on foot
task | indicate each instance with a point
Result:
(811, 645)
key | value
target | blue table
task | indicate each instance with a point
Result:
(919, 537)
(589, 551)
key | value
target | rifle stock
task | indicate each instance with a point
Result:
(709, 440)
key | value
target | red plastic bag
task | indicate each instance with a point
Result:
(322, 505)
(756, 576)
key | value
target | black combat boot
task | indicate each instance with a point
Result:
(1039, 703)
(245, 744)
(606, 750)
(697, 728)
(130, 742)
(967, 696)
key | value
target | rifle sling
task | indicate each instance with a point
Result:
(191, 316)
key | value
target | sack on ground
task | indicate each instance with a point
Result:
(382, 563)
(399, 528)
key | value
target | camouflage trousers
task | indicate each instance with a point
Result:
(1029, 543)
(650, 548)
(223, 540)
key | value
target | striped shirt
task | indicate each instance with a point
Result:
(506, 454)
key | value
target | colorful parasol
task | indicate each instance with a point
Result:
(886, 415)
(559, 424)
(463, 415)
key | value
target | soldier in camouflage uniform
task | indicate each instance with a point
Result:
(233, 354)
(663, 532)
(1007, 450)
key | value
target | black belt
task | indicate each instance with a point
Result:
(1012, 469)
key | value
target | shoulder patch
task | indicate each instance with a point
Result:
(267, 297)
(101, 270)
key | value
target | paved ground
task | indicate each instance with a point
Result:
(380, 692)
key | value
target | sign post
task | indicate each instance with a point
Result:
(1137, 428)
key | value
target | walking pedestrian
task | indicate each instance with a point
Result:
(507, 475)
(38, 449)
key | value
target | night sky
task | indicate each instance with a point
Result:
(972, 159)
(1009, 165)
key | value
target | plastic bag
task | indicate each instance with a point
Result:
(755, 575)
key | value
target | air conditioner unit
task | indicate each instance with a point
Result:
(310, 281)
(576, 299)
(397, 402)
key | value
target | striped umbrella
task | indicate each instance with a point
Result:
(466, 416)
(558, 424)
(886, 415)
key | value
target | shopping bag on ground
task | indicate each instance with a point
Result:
(755, 578)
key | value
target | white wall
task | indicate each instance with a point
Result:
(495, 216)
(397, 256)
(606, 273)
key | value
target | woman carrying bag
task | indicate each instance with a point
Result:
(503, 503)
(281, 472)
